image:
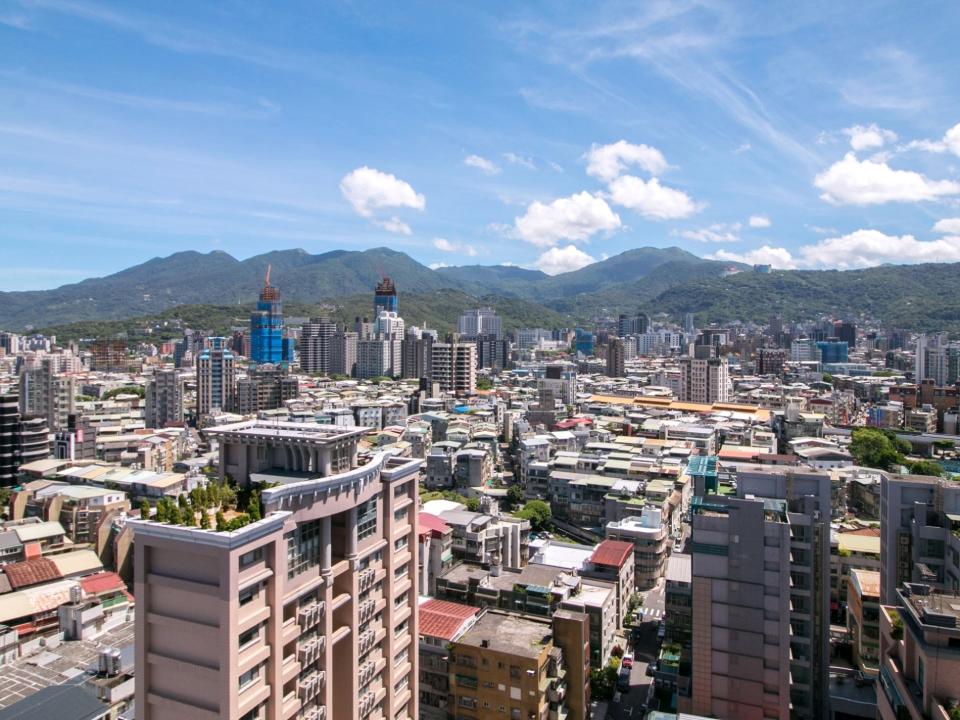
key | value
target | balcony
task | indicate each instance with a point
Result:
(366, 704)
(367, 671)
(309, 615)
(366, 641)
(556, 691)
(316, 713)
(367, 609)
(309, 652)
(310, 686)
(366, 579)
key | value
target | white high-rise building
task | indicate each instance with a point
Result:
(480, 321)
(704, 380)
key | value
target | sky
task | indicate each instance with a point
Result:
(546, 135)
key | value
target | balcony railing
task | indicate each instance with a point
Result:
(309, 615)
(366, 579)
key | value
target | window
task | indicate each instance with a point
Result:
(371, 558)
(258, 713)
(303, 548)
(249, 558)
(250, 636)
(401, 657)
(402, 683)
(399, 515)
(250, 677)
(402, 628)
(401, 571)
(400, 601)
(401, 489)
(400, 543)
(367, 519)
(249, 594)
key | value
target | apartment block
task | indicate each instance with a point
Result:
(47, 394)
(309, 613)
(216, 377)
(919, 520)
(919, 655)
(454, 367)
(704, 380)
(441, 623)
(164, 399)
(516, 667)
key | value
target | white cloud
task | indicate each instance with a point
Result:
(718, 232)
(395, 225)
(556, 167)
(560, 260)
(870, 136)
(573, 218)
(948, 226)
(520, 160)
(369, 190)
(744, 147)
(859, 249)
(766, 255)
(950, 142)
(481, 163)
(651, 199)
(608, 161)
(448, 246)
(759, 221)
(855, 182)
(437, 265)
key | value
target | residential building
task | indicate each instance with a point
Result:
(266, 387)
(435, 551)
(441, 623)
(45, 393)
(378, 357)
(918, 542)
(307, 613)
(454, 367)
(649, 536)
(343, 354)
(919, 654)
(417, 354)
(164, 399)
(615, 358)
(9, 438)
(481, 538)
(704, 380)
(216, 377)
(863, 619)
(770, 361)
(599, 603)
(315, 345)
(518, 667)
(611, 562)
(479, 321)
(833, 351)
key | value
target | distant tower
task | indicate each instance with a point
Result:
(266, 326)
(384, 297)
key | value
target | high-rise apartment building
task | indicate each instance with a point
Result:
(846, 332)
(704, 380)
(379, 357)
(937, 359)
(108, 355)
(315, 344)
(417, 354)
(266, 387)
(164, 399)
(833, 351)
(454, 367)
(615, 358)
(480, 321)
(266, 326)
(46, 393)
(636, 325)
(9, 438)
(343, 354)
(492, 353)
(216, 377)
(917, 543)
(770, 361)
(760, 594)
(309, 613)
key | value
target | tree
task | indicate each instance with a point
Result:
(603, 682)
(484, 384)
(514, 496)
(926, 467)
(473, 504)
(253, 506)
(144, 510)
(221, 521)
(204, 519)
(874, 448)
(538, 513)
(182, 501)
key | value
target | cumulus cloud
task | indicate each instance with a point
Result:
(520, 160)
(717, 233)
(854, 182)
(481, 163)
(560, 260)
(369, 190)
(574, 218)
(866, 137)
(948, 226)
(437, 265)
(766, 255)
(859, 249)
(608, 161)
(949, 143)
(759, 221)
(651, 199)
(448, 246)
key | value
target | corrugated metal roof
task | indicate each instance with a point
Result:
(78, 562)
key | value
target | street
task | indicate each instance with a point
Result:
(645, 651)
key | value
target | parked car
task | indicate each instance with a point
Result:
(627, 661)
(623, 681)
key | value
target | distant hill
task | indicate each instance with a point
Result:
(193, 278)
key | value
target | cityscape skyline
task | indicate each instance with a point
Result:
(467, 135)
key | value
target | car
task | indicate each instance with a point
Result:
(627, 661)
(623, 681)
(661, 631)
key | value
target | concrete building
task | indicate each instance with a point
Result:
(599, 603)
(315, 344)
(454, 367)
(307, 613)
(164, 399)
(918, 542)
(343, 354)
(863, 618)
(9, 438)
(378, 357)
(760, 597)
(479, 321)
(434, 551)
(480, 538)
(216, 377)
(441, 623)
(704, 380)
(513, 667)
(649, 536)
(919, 655)
(266, 387)
(615, 358)
(45, 393)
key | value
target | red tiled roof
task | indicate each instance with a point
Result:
(612, 553)
(866, 532)
(101, 582)
(431, 524)
(442, 619)
(31, 572)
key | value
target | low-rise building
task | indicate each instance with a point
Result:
(863, 618)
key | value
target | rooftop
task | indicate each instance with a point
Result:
(613, 553)
(509, 634)
(289, 431)
(445, 620)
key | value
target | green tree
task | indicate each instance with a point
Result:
(253, 506)
(484, 384)
(874, 448)
(221, 521)
(926, 467)
(182, 501)
(472, 503)
(537, 512)
(144, 510)
(514, 496)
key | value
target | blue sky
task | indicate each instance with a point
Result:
(544, 135)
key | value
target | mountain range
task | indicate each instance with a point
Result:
(668, 280)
